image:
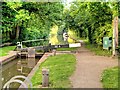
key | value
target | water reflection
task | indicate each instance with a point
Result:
(19, 66)
(23, 66)
(56, 36)
(31, 62)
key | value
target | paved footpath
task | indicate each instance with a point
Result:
(89, 68)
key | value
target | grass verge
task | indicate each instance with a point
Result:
(60, 68)
(98, 50)
(110, 78)
(5, 50)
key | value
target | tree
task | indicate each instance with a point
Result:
(93, 19)
(29, 20)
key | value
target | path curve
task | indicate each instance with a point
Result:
(89, 68)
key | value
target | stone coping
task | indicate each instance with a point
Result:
(11, 55)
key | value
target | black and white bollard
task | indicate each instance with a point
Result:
(19, 46)
(45, 77)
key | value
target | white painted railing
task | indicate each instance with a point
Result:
(16, 79)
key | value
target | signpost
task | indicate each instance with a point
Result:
(106, 43)
(114, 41)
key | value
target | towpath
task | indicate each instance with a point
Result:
(89, 68)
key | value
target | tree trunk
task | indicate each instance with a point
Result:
(17, 32)
(90, 35)
(12, 34)
(81, 33)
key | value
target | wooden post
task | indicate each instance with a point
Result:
(116, 30)
(113, 53)
(115, 35)
(49, 46)
(45, 77)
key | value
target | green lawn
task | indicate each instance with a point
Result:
(110, 78)
(4, 51)
(67, 49)
(60, 67)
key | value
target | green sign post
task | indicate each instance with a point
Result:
(106, 43)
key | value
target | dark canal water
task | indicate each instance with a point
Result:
(19, 66)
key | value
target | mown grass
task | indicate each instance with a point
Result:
(60, 68)
(110, 78)
(67, 49)
(5, 50)
(98, 50)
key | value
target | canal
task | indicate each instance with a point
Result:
(18, 66)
